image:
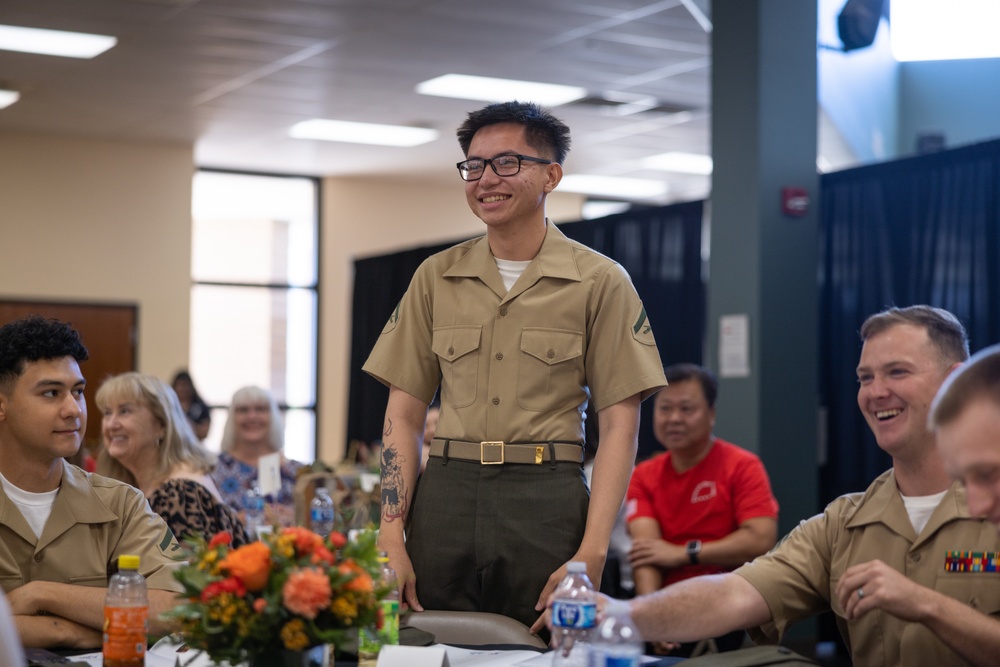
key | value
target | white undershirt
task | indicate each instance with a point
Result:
(510, 270)
(920, 508)
(35, 507)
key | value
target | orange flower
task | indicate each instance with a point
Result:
(337, 540)
(306, 541)
(306, 592)
(362, 581)
(251, 564)
(259, 605)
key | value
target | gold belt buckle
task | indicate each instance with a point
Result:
(491, 446)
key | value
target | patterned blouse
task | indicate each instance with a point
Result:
(236, 478)
(191, 510)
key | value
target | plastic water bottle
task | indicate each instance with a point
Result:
(373, 639)
(126, 616)
(616, 642)
(574, 612)
(321, 513)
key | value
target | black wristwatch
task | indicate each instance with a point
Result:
(693, 548)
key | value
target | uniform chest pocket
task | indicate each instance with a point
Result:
(550, 373)
(979, 590)
(456, 349)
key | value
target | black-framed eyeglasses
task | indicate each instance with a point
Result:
(503, 165)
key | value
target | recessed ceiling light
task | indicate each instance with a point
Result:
(54, 42)
(362, 133)
(613, 186)
(8, 97)
(485, 89)
(685, 163)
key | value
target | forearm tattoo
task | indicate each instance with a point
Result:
(393, 484)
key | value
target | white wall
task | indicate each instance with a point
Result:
(93, 221)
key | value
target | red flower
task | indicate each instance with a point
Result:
(337, 540)
(227, 585)
(223, 538)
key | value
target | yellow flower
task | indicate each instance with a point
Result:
(293, 635)
(344, 607)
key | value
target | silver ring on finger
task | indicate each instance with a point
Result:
(861, 593)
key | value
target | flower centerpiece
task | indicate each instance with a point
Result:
(290, 591)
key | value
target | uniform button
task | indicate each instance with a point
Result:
(38, 558)
(503, 311)
(550, 354)
(451, 351)
(916, 558)
(496, 400)
(499, 356)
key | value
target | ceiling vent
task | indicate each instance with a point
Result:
(622, 106)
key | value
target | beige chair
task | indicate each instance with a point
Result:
(472, 628)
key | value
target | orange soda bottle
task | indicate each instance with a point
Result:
(126, 616)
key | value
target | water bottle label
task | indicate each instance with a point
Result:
(322, 514)
(630, 659)
(572, 614)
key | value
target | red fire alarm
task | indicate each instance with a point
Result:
(794, 202)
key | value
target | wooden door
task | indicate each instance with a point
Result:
(110, 334)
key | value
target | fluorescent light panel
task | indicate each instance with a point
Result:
(362, 133)
(54, 42)
(952, 30)
(613, 186)
(484, 89)
(684, 163)
(8, 97)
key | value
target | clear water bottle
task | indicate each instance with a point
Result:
(126, 616)
(616, 642)
(321, 513)
(574, 613)
(373, 639)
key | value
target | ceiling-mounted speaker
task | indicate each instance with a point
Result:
(857, 23)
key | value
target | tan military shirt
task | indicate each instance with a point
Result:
(93, 521)
(519, 365)
(799, 577)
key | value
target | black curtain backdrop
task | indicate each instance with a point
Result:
(659, 247)
(919, 230)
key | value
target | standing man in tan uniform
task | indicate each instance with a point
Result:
(62, 529)
(521, 328)
(885, 561)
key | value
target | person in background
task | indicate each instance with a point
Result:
(704, 506)
(520, 329)
(255, 428)
(196, 410)
(873, 558)
(63, 529)
(149, 444)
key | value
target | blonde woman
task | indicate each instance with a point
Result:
(149, 443)
(254, 429)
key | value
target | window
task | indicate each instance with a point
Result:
(254, 302)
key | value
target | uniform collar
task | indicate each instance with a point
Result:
(882, 503)
(554, 260)
(76, 502)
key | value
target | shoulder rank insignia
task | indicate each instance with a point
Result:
(642, 331)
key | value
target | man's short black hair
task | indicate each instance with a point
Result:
(705, 377)
(34, 339)
(543, 131)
